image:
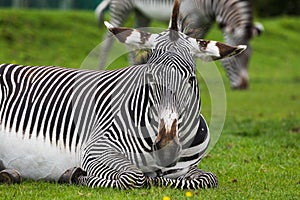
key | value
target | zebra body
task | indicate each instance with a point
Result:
(126, 128)
(149, 9)
(36, 158)
(60, 142)
(234, 18)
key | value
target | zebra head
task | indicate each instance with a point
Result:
(237, 67)
(174, 88)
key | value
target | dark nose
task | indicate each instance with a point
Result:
(166, 147)
(172, 146)
(166, 155)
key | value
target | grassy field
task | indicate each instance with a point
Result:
(258, 154)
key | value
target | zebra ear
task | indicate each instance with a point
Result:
(212, 50)
(133, 37)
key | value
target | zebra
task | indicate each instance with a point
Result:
(234, 18)
(133, 127)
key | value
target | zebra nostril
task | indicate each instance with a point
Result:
(167, 154)
(161, 145)
(158, 145)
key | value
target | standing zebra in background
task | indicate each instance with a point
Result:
(128, 128)
(234, 18)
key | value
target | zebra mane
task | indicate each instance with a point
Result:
(174, 19)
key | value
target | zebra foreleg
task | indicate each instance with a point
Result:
(2, 167)
(194, 179)
(71, 176)
(207, 179)
(10, 176)
(122, 180)
(106, 169)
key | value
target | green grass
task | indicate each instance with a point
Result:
(257, 155)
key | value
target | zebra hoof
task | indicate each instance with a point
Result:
(10, 176)
(71, 176)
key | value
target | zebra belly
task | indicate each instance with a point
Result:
(34, 158)
(157, 12)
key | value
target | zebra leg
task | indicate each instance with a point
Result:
(10, 176)
(201, 178)
(194, 179)
(2, 167)
(141, 20)
(119, 12)
(71, 175)
(108, 169)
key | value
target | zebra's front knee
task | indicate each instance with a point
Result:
(72, 175)
(132, 179)
(10, 176)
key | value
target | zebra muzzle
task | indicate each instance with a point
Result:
(166, 147)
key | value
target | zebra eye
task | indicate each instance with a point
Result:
(203, 44)
(149, 77)
(191, 80)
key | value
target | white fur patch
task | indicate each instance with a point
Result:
(34, 158)
(169, 117)
(212, 49)
(134, 38)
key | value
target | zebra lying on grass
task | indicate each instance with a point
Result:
(128, 128)
(234, 18)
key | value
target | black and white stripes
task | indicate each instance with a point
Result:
(234, 18)
(126, 128)
(107, 118)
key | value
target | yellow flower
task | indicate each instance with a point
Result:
(166, 198)
(188, 194)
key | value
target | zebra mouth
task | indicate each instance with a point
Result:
(168, 155)
(166, 148)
